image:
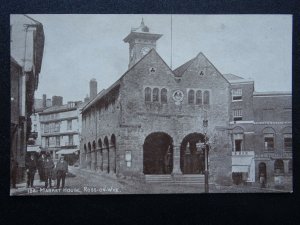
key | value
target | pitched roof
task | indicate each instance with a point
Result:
(181, 69)
(236, 79)
(107, 91)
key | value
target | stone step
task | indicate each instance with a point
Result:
(179, 179)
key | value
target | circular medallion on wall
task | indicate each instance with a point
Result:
(178, 96)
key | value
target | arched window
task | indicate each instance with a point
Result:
(163, 95)
(191, 97)
(279, 166)
(269, 139)
(206, 98)
(198, 97)
(148, 94)
(155, 95)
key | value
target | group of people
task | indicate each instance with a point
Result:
(47, 170)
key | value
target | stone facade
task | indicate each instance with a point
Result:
(150, 120)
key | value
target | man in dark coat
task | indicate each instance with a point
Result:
(61, 170)
(48, 167)
(13, 172)
(40, 166)
(30, 169)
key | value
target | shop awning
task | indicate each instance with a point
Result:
(35, 148)
(67, 151)
(240, 168)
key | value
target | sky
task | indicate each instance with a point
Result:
(79, 47)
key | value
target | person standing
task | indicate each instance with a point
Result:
(40, 165)
(13, 172)
(30, 169)
(48, 167)
(61, 170)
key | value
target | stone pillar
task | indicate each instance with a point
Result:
(105, 160)
(92, 160)
(176, 161)
(112, 158)
(99, 160)
(89, 160)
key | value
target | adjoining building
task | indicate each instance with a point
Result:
(149, 122)
(27, 46)
(60, 130)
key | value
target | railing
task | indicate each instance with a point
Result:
(274, 155)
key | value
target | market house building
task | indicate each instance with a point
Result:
(148, 123)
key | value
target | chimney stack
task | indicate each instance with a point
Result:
(93, 88)
(44, 101)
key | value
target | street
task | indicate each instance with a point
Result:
(86, 182)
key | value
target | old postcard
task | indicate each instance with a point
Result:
(150, 104)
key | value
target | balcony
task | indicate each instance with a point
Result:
(274, 155)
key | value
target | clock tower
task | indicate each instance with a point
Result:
(141, 41)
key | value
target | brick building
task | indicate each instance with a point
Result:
(147, 124)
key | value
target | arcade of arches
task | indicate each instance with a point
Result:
(101, 156)
(158, 151)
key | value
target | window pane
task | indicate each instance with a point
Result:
(155, 94)
(206, 97)
(148, 94)
(164, 98)
(288, 143)
(199, 97)
(191, 97)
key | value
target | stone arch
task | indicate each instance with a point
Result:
(262, 170)
(191, 159)
(94, 156)
(84, 160)
(113, 148)
(100, 155)
(158, 153)
(89, 156)
(286, 130)
(106, 155)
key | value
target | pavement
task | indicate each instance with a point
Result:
(81, 181)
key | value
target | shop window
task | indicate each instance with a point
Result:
(148, 94)
(198, 97)
(191, 97)
(164, 95)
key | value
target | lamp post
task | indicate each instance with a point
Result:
(206, 149)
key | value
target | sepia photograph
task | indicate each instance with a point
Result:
(113, 104)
